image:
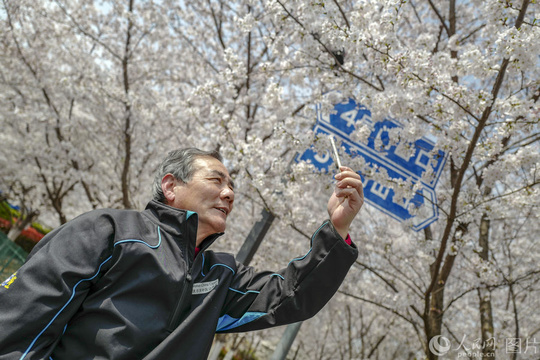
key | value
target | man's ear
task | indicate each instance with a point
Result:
(167, 186)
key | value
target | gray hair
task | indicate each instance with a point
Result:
(179, 163)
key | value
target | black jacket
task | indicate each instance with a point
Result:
(121, 284)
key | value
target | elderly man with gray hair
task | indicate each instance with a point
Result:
(126, 284)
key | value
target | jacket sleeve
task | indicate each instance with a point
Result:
(296, 293)
(42, 296)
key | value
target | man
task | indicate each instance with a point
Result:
(123, 284)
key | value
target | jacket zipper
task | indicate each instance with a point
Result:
(186, 288)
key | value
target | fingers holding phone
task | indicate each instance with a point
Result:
(347, 198)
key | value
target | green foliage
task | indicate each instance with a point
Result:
(42, 229)
(6, 211)
(11, 214)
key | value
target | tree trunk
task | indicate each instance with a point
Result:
(436, 303)
(484, 293)
(435, 313)
(22, 222)
(126, 202)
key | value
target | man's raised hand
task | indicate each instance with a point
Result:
(346, 200)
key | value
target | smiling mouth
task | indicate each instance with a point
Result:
(222, 210)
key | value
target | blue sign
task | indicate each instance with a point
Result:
(413, 162)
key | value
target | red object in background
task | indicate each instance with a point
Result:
(32, 234)
(5, 224)
(29, 233)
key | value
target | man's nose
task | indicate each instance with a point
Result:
(228, 194)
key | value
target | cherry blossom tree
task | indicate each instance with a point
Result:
(81, 83)
(414, 61)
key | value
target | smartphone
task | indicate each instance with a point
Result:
(336, 155)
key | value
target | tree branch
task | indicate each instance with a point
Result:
(468, 156)
(378, 305)
(86, 33)
(376, 273)
(329, 52)
(441, 19)
(342, 14)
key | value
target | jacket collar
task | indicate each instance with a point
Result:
(177, 222)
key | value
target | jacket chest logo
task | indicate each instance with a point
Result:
(204, 287)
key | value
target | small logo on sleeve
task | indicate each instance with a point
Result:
(9, 281)
(204, 287)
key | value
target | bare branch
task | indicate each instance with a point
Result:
(393, 311)
(376, 273)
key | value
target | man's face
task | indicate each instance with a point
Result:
(209, 193)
